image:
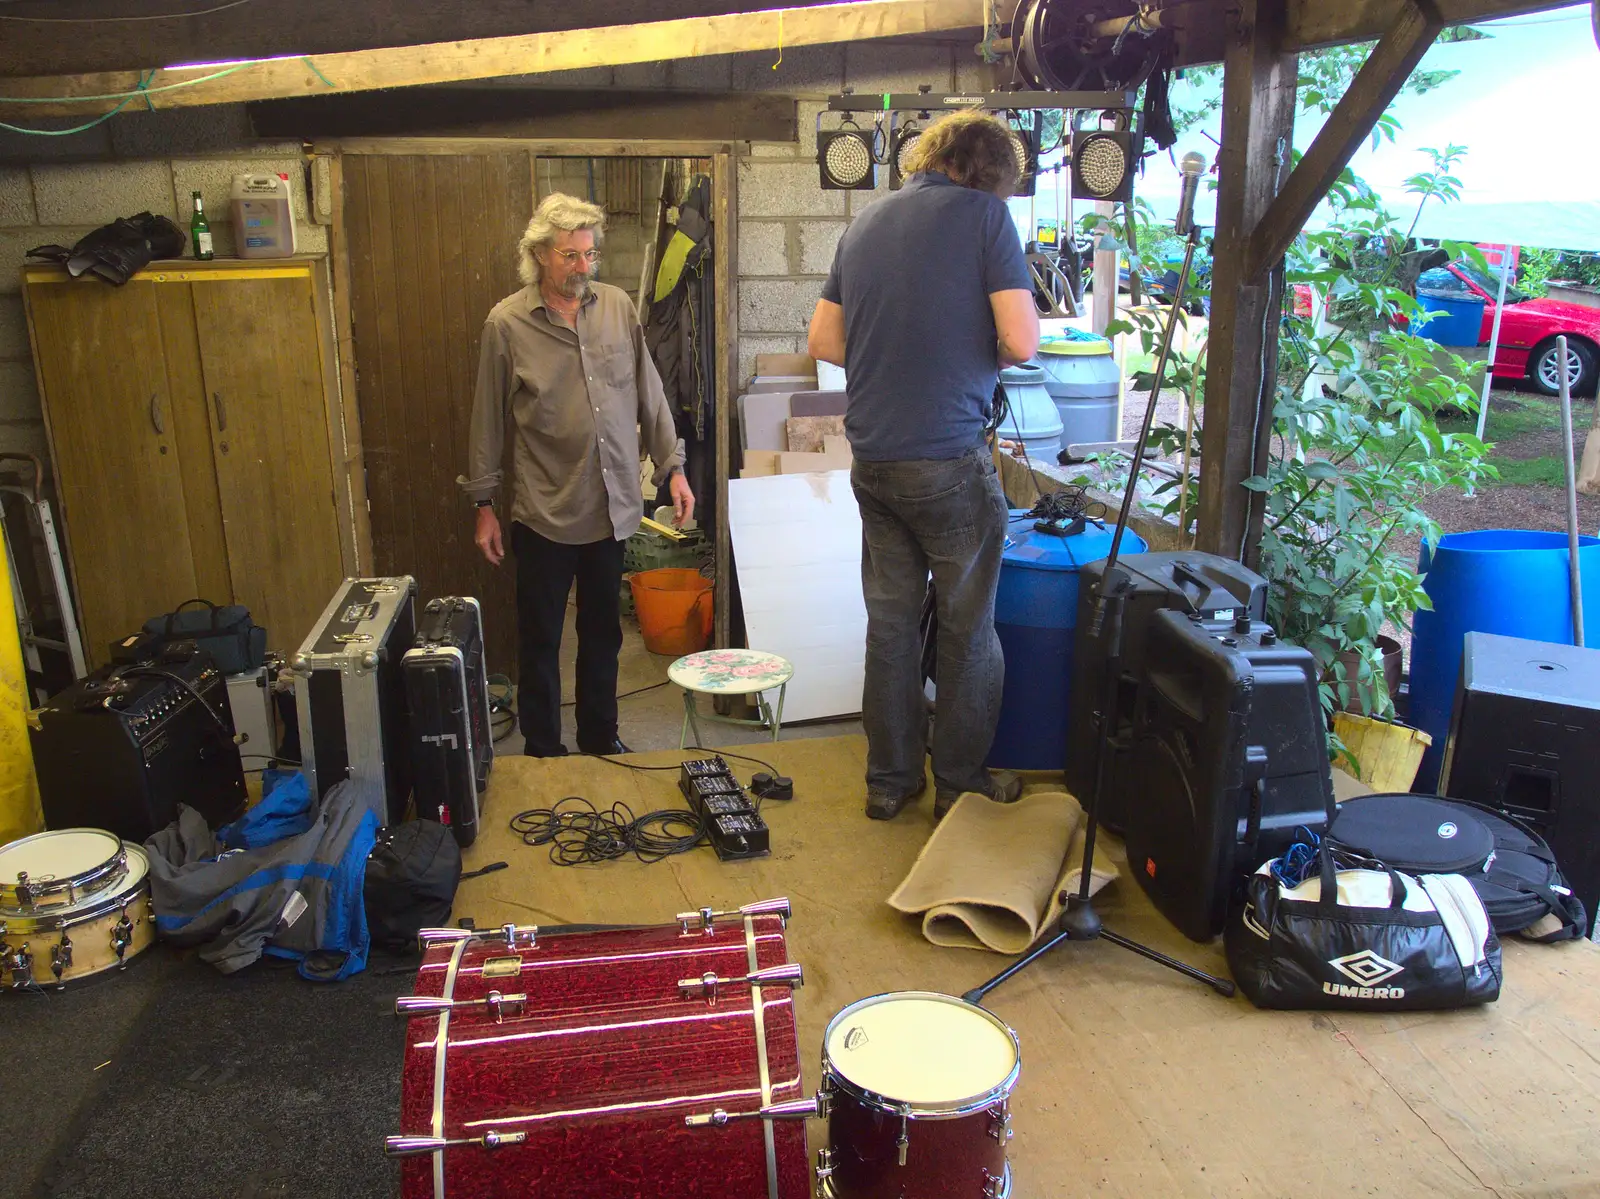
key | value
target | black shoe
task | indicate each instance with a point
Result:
(609, 751)
(1005, 787)
(883, 806)
(559, 751)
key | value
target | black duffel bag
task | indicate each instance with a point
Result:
(118, 251)
(1507, 862)
(412, 875)
(236, 642)
(1375, 940)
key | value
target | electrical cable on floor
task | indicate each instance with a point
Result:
(580, 834)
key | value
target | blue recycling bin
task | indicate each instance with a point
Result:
(1458, 323)
(1509, 581)
(1036, 616)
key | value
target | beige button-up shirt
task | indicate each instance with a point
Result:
(579, 402)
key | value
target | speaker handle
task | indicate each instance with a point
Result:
(1255, 777)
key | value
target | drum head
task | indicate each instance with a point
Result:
(86, 907)
(927, 1050)
(54, 860)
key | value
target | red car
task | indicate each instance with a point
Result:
(1528, 329)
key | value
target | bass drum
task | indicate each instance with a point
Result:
(620, 1061)
(57, 942)
(917, 1087)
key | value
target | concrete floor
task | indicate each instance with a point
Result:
(654, 719)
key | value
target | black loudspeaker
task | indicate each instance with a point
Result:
(1218, 589)
(1525, 740)
(1229, 757)
(121, 748)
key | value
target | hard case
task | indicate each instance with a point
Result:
(447, 696)
(350, 690)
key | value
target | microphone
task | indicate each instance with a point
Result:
(1193, 165)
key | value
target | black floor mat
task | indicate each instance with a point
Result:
(257, 1084)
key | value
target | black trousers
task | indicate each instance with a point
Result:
(545, 571)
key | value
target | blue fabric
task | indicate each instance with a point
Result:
(914, 273)
(345, 928)
(284, 811)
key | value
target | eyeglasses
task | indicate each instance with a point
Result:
(572, 257)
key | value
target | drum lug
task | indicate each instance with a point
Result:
(824, 1167)
(1000, 1123)
(789, 1109)
(61, 958)
(994, 1186)
(431, 1005)
(24, 890)
(790, 975)
(121, 938)
(705, 920)
(414, 1146)
(20, 962)
(524, 936)
(903, 1141)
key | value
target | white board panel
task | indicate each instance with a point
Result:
(797, 554)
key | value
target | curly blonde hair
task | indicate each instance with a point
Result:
(973, 148)
(557, 213)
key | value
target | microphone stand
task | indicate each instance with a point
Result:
(1079, 920)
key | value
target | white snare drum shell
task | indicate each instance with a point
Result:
(926, 1050)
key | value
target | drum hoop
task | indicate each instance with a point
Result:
(95, 879)
(828, 1190)
(106, 901)
(923, 1111)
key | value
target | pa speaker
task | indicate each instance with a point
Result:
(1229, 758)
(1525, 740)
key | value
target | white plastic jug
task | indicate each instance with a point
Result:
(263, 216)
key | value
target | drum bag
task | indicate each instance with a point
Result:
(411, 882)
(298, 898)
(1411, 943)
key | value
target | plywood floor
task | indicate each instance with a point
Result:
(1135, 1081)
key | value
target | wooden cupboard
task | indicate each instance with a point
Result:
(199, 444)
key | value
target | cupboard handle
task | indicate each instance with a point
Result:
(156, 420)
(222, 413)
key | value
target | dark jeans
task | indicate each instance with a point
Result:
(947, 518)
(545, 570)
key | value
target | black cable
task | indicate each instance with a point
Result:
(580, 834)
(157, 672)
(1071, 503)
(679, 765)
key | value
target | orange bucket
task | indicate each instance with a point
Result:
(674, 608)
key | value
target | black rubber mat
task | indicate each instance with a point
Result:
(257, 1084)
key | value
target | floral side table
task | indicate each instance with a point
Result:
(731, 672)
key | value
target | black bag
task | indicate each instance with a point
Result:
(118, 251)
(412, 875)
(1294, 953)
(227, 634)
(1509, 865)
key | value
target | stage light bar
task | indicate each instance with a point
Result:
(845, 158)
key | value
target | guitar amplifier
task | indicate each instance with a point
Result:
(447, 695)
(1229, 756)
(121, 748)
(350, 695)
(1215, 588)
(1525, 741)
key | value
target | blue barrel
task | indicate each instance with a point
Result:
(1509, 581)
(1459, 322)
(1036, 615)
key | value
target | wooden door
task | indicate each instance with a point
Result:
(431, 243)
(268, 410)
(109, 409)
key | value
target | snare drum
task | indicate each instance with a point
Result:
(48, 871)
(628, 1061)
(916, 1086)
(65, 933)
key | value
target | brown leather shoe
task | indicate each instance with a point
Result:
(883, 806)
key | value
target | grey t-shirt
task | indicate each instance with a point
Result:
(914, 273)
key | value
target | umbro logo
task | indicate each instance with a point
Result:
(1366, 967)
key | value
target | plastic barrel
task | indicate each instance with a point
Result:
(1036, 616)
(674, 610)
(1084, 383)
(1459, 321)
(1508, 581)
(1032, 418)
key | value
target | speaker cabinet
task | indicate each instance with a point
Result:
(1525, 740)
(1229, 758)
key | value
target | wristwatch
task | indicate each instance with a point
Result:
(483, 504)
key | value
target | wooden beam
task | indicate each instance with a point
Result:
(530, 112)
(1377, 83)
(538, 147)
(1258, 104)
(532, 54)
(1313, 23)
(77, 36)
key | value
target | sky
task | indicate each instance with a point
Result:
(1524, 105)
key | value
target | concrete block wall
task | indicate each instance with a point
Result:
(626, 236)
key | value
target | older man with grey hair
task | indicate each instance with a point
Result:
(564, 363)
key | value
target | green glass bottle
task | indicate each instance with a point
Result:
(200, 232)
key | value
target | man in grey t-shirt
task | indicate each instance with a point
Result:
(928, 297)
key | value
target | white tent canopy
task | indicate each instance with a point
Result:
(1523, 105)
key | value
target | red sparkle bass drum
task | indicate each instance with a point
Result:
(568, 1063)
